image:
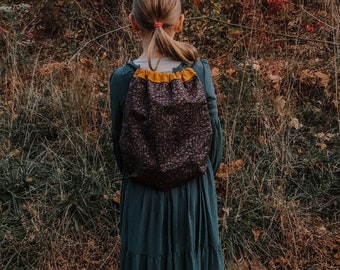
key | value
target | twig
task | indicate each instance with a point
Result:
(336, 20)
(215, 20)
(94, 39)
(264, 31)
(316, 18)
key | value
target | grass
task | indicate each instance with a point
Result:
(278, 192)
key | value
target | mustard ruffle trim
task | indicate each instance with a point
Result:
(159, 77)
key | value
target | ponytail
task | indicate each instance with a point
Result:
(152, 15)
(166, 45)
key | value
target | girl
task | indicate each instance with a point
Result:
(176, 229)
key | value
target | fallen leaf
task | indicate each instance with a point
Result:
(262, 140)
(320, 135)
(256, 234)
(321, 230)
(256, 67)
(14, 153)
(77, 35)
(95, 90)
(3, 30)
(322, 145)
(227, 169)
(307, 76)
(215, 71)
(29, 180)
(67, 34)
(300, 151)
(309, 28)
(230, 71)
(104, 114)
(329, 136)
(325, 136)
(280, 104)
(50, 68)
(116, 197)
(222, 171)
(294, 123)
(235, 33)
(323, 78)
(275, 78)
(104, 56)
(323, 13)
(85, 61)
(197, 2)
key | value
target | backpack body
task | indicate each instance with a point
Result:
(166, 132)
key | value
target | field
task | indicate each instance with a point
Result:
(276, 69)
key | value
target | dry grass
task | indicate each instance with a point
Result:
(278, 90)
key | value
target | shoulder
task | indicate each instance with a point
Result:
(119, 83)
(122, 74)
(202, 69)
(201, 66)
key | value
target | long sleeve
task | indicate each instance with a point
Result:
(119, 85)
(204, 73)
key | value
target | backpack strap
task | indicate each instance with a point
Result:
(132, 66)
(198, 67)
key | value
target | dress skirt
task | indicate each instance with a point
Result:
(176, 229)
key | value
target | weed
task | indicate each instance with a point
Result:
(275, 69)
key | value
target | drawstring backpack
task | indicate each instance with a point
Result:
(166, 131)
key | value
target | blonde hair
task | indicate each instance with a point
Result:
(146, 13)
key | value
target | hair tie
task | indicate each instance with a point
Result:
(157, 25)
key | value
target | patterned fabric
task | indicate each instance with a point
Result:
(166, 133)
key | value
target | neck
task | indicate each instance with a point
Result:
(146, 37)
(145, 46)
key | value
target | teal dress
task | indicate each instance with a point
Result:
(177, 229)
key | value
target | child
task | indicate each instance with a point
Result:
(178, 228)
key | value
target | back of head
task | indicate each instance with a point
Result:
(167, 12)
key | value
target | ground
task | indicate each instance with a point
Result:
(275, 66)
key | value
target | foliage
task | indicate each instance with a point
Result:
(276, 70)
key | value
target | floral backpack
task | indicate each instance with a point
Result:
(166, 132)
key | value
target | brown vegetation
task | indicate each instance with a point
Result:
(276, 70)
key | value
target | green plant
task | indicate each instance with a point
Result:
(276, 77)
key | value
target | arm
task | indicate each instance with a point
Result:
(119, 85)
(203, 71)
